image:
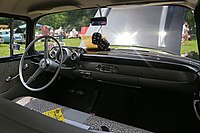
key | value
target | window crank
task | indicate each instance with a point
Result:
(9, 78)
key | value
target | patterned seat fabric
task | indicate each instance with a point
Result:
(95, 123)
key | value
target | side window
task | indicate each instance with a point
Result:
(189, 47)
(4, 37)
(19, 36)
(19, 27)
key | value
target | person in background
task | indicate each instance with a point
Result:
(185, 33)
(52, 32)
(60, 34)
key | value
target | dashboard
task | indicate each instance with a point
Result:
(126, 67)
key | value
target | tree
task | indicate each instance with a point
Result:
(69, 19)
(189, 18)
(53, 20)
(4, 20)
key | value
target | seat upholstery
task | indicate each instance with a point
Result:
(86, 120)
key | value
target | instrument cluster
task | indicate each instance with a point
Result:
(69, 55)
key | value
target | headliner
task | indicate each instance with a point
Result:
(36, 8)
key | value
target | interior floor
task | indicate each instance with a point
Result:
(157, 110)
(74, 117)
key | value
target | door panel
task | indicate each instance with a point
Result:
(8, 69)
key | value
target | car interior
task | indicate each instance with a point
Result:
(99, 89)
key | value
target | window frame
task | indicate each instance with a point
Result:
(20, 18)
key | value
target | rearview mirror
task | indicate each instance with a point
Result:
(98, 21)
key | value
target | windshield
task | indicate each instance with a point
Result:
(159, 28)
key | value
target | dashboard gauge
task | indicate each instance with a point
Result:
(66, 55)
(74, 56)
(53, 53)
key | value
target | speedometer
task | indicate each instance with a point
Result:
(74, 56)
(66, 55)
(53, 53)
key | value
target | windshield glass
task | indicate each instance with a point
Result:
(160, 28)
(157, 27)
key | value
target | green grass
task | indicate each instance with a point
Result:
(72, 42)
(191, 47)
(4, 48)
(184, 48)
(67, 42)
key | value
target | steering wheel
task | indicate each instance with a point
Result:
(45, 64)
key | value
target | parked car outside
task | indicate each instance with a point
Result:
(1, 40)
(18, 37)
